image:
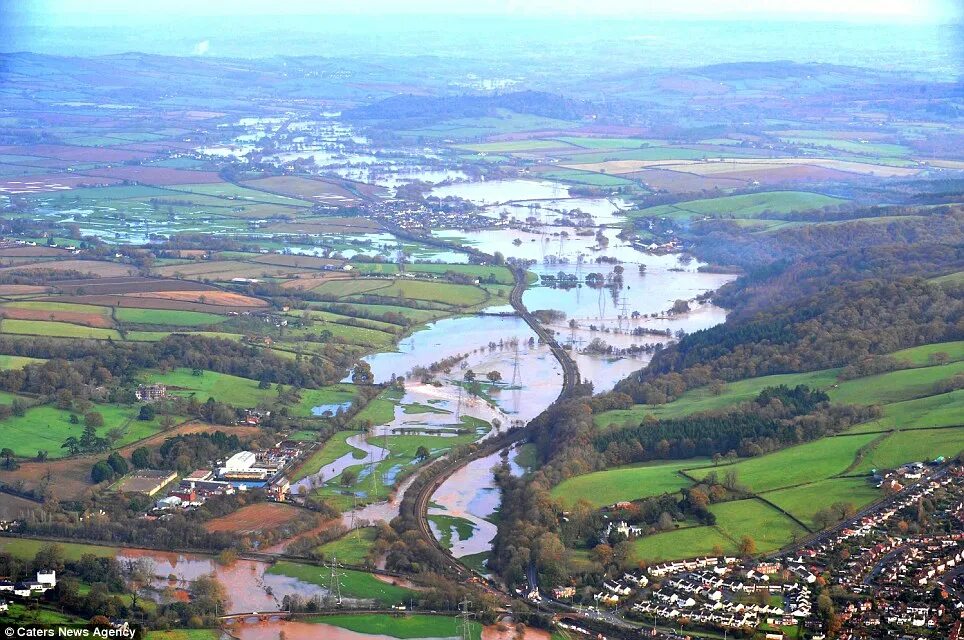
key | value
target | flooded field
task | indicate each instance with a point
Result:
(249, 586)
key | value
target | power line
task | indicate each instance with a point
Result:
(334, 582)
(465, 616)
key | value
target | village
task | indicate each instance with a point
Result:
(895, 571)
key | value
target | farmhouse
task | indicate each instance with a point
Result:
(151, 392)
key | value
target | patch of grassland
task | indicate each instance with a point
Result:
(354, 584)
(351, 548)
(167, 317)
(803, 502)
(624, 483)
(800, 464)
(913, 446)
(451, 529)
(403, 627)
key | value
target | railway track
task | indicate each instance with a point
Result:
(415, 503)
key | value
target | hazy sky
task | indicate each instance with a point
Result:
(850, 10)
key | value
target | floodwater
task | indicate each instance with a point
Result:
(334, 469)
(499, 191)
(246, 581)
(470, 493)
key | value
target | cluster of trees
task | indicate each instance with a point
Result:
(727, 243)
(187, 452)
(113, 467)
(84, 368)
(838, 327)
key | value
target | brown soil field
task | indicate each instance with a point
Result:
(33, 252)
(16, 261)
(67, 152)
(160, 176)
(307, 262)
(15, 508)
(312, 281)
(792, 173)
(310, 189)
(682, 182)
(141, 301)
(73, 317)
(253, 518)
(21, 289)
(227, 269)
(122, 285)
(72, 475)
(96, 267)
(214, 298)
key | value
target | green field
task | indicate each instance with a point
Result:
(243, 392)
(46, 427)
(455, 295)
(921, 356)
(650, 153)
(803, 502)
(741, 206)
(403, 626)
(451, 529)
(769, 528)
(167, 317)
(624, 483)
(610, 143)
(17, 362)
(381, 410)
(351, 548)
(943, 410)
(501, 275)
(348, 287)
(26, 549)
(894, 386)
(682, 543)
(400, 462)
(802, 464)
(354, 584)
(184, 634)
(56, 329)
(913, 446)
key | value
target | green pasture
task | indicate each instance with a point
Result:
(403, 627)
(46, 427)
(624, 483)
(354, 584)
(918, 445)
(56, 329)
(800, 464)
(805, 501)
(741, 206)
(943, 410)
(167, 317)
(351, 548)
